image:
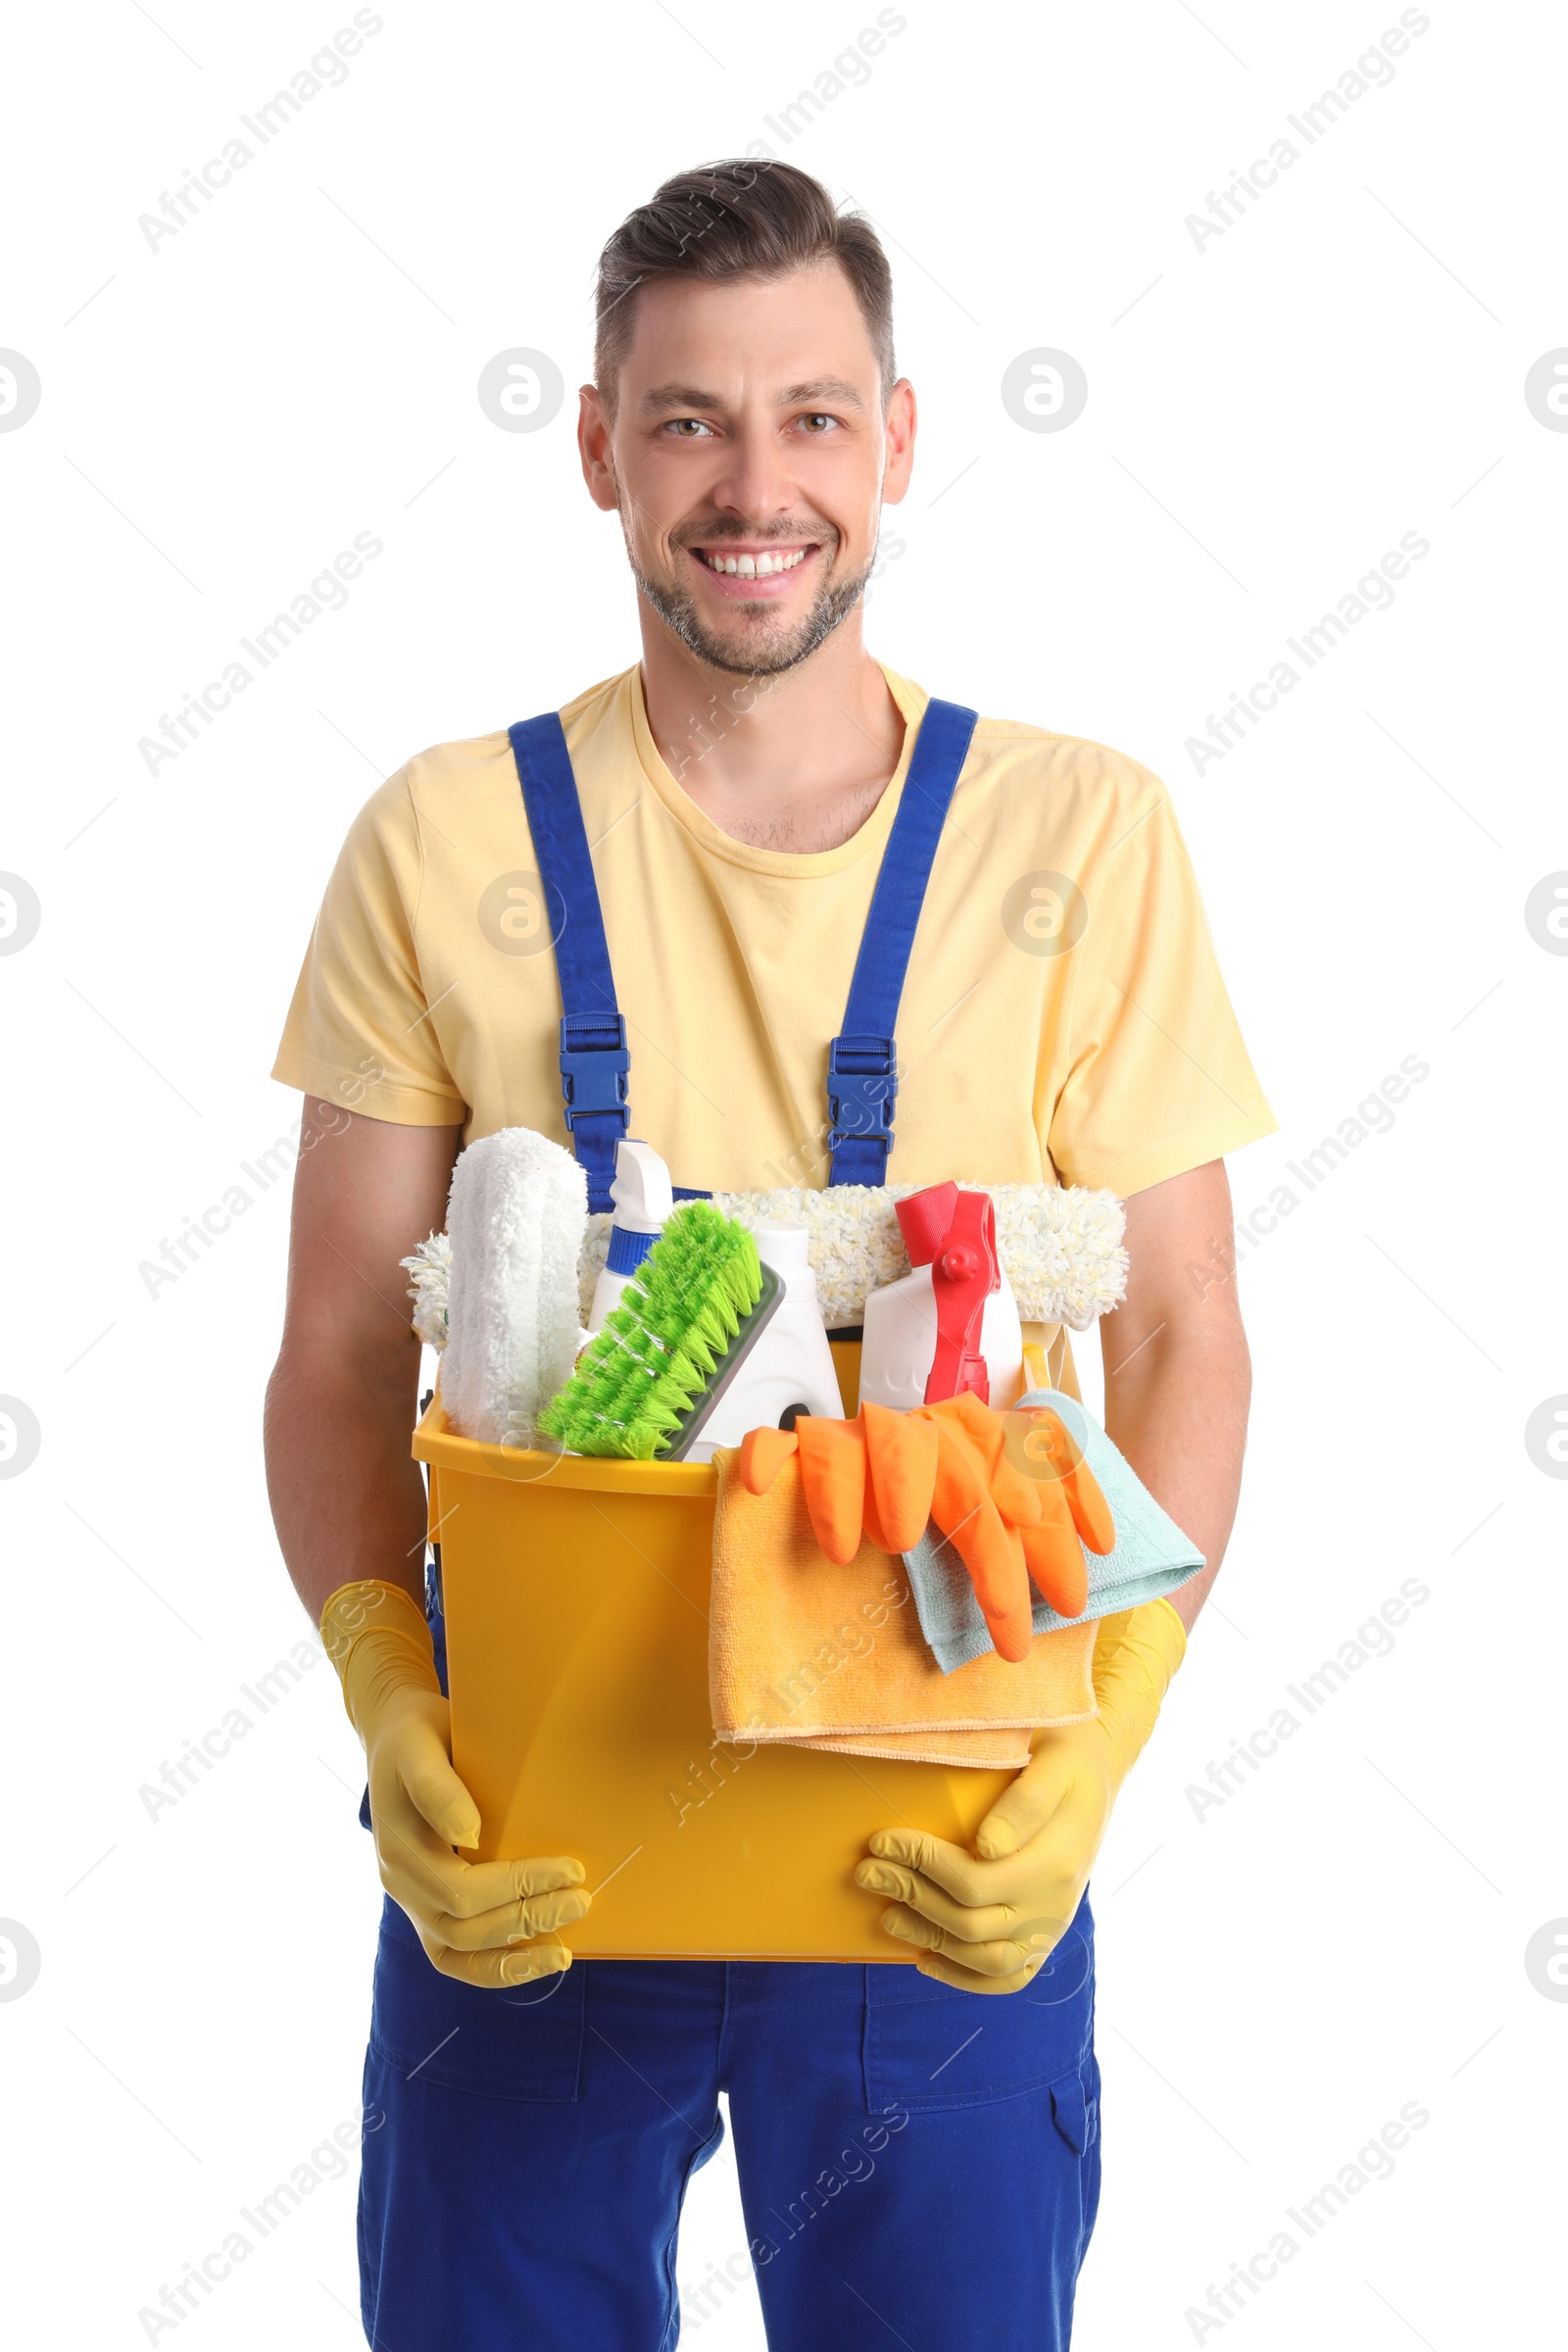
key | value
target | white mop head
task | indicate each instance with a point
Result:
(1061, 1245)
(429, 1281)
(515, 1222)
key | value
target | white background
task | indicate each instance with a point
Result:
(1267, 415)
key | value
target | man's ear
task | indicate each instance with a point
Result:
(593, 445)
(899, 430)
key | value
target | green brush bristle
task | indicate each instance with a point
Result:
(662, 1342)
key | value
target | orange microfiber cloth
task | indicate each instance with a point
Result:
(808, 1653)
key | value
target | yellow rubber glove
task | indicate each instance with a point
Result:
(987, 1921)
(472, 1917)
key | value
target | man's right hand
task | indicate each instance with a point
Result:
(474, 1918)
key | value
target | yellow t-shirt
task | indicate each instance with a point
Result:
(1063, 1018)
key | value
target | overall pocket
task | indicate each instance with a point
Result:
(521, 2042)
(929, 2046)
(1075, 2107)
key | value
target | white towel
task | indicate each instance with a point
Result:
(516, 1221)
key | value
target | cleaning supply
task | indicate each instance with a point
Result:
(717, 1331)
(684, 1322)
(987, 1917)
(1071, 1514)
(873, 1476)
(377, 1639)
(790, 1374)
(972, 1473)
(988, 1509)
(1010, 1494)
(643, 1197)
(429, 1271)
(793, 1374)
(577, 1599)
(1148, 1560)
(806, 1650)
(1060, 1249)
(565, 1708)
(515, 1218)
(950, 1331)
(1061, 1246)
(951, 1325)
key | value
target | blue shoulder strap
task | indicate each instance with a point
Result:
(862, 1060)
(594, 1057)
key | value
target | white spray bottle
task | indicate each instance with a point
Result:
(641, 1199)
(951, 1325)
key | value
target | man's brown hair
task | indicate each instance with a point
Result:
(740, 218)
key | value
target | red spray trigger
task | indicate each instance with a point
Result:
(925, 1219)
(954, 1233)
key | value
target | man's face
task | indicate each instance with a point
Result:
(749, 459)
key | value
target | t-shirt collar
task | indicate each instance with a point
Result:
(791, 864)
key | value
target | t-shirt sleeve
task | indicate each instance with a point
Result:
(357, 1031)
(1158, 1080)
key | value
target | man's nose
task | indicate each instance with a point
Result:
(755, 481)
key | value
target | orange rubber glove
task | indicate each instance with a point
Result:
(982, 1503)
(1072, 1509)
(1008, 1491)
(872, 1475)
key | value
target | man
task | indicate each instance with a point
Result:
(1062, 1019)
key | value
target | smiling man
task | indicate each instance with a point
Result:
(920, 2162)
(751, 499)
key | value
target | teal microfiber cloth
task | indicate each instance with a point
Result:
(1151, 1556)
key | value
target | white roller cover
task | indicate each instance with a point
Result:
(516, 1220)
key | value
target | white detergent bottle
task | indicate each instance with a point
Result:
(642, 1198)
(788, 1367)
(951, 1324)
(899, 1336)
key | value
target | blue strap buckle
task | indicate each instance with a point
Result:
(862, 1085)
(593, 1065)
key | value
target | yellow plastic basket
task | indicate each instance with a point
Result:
(576, 1597)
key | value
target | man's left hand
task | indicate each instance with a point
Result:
(987, 1921)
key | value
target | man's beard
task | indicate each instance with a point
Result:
(769, 657)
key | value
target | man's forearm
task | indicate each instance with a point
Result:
(1177, 1408)
(348, 1501)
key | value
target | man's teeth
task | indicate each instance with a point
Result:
(752, 568)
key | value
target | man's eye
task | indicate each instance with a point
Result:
(818, 423)
(687, 428)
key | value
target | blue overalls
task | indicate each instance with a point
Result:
(918, 2165)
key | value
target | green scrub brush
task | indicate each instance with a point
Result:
(683, 1326)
